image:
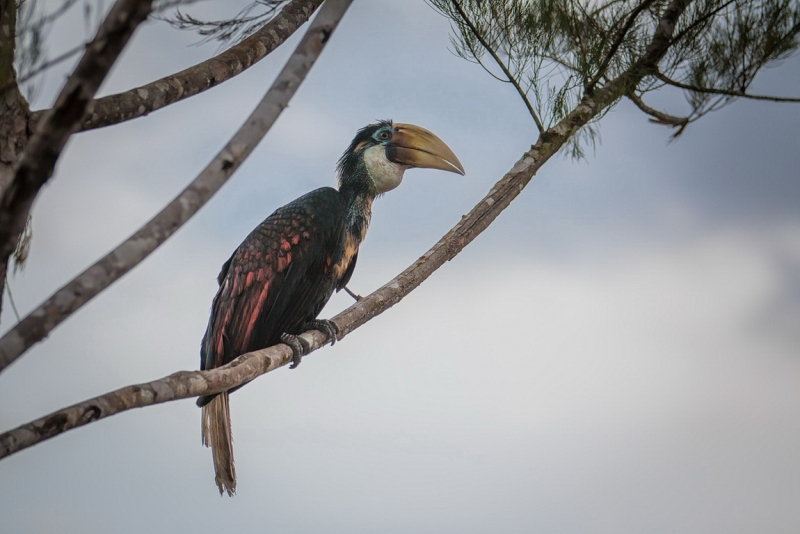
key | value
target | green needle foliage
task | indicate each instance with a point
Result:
(556, 52)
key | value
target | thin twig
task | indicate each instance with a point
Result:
(501, 64)
(11, 300)
(130, 253)
(724, 92)
(44, 66)
(659, 117)
(618, 40)
(246, 367)
(50, 17)
(355, 296)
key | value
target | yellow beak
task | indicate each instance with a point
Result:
(417, 147)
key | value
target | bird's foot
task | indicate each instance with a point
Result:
(326, 326)
(299, 348)
(354, 295)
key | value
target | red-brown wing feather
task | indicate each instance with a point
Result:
(276, 279)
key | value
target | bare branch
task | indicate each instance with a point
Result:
(43, 67)
(130, 253)
(14, 110)
(659, 117)
(36, 164)
(55, 14)
(246, 367)
(501, 64)
(234, 29)
(724, 92)
(140, 101)
(8, 30)
(11, 299)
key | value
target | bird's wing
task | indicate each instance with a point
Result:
(276, 280)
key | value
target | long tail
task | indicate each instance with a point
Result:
(217, 435)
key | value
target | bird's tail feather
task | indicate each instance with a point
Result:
(217, 435)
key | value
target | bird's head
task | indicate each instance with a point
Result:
(380, 153)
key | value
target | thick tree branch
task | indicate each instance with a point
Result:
(511, 78)
(14, 110)
(8, 31)
(93, 280)
(659, 117)
(723, 92)
(246, 367)
(140, 101)
(36, 164)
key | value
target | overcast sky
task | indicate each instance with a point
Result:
(618, 353)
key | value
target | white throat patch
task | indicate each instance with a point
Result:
(386, 175)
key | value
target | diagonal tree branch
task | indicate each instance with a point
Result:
(127, 255)
(248, 366)
(724, 92)
(140, 101)
(14, 110)
(36, 164)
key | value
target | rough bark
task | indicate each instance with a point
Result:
(14, 132)
(14, 112)
(36, 163)
(131, 252)
(13, 107)
(140, 101)
(246, 367)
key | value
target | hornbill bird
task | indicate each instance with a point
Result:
(282, 275)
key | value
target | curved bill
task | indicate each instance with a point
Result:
(417, 147)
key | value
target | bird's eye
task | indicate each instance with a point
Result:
(384, 135)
